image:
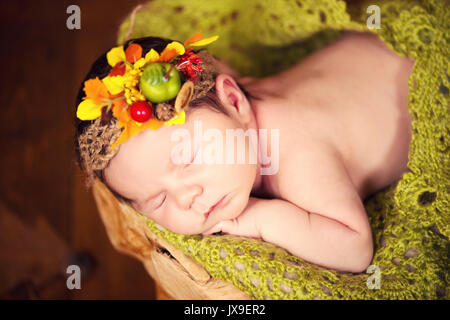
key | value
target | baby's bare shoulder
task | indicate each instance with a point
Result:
(316, 180)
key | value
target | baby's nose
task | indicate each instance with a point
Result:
(187, 195)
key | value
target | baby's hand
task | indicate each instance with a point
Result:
(245, 225)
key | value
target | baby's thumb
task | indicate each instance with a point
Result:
(214, 229)
(225, 226)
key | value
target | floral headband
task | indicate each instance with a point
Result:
(144, 92)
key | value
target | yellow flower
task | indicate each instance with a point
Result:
(88, 110)
(114, 84)
(170, 51)
(115, 55)
(197, 40)
(179, 118)
(139, 64)
(204, 42)
(120, 89)
(97, 96)
(152, 56)
(179, 48)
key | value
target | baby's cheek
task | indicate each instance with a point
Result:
(140, 210)
(178, 222)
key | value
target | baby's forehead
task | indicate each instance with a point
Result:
(139, 164)
(148, 147)
(149, 152)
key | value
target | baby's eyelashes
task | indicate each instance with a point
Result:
(156, 202)
(150, 205)
(163, 201)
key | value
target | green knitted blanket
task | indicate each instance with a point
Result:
(409, 219)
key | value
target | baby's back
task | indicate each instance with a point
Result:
(350, 98)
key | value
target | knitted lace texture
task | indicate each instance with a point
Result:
(410, 218)
(95, 147)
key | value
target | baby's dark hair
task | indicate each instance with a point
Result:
(101, 68)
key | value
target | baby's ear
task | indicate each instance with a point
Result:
(233, 99)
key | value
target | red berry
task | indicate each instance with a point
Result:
(140, 111)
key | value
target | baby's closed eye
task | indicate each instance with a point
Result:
(151, 204)
(162, 201)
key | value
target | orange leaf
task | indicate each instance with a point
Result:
(118, 70)
(167, 55)
(113, 96)
(131, 128)
(134, 128)
(121, 112)
(152, 124)
(133, 53)
(96, 90)
(196, 37)
(122, 138)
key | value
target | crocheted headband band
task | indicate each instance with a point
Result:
(141, 92)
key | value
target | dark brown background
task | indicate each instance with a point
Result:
(48, 220)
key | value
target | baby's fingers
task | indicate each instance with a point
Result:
(227, 226)
(214, 229)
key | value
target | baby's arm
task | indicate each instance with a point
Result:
(314, 237)
(321, 220)
(310, 236)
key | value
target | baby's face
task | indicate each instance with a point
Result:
(178, 196)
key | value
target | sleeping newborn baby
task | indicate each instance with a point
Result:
(319, 139)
